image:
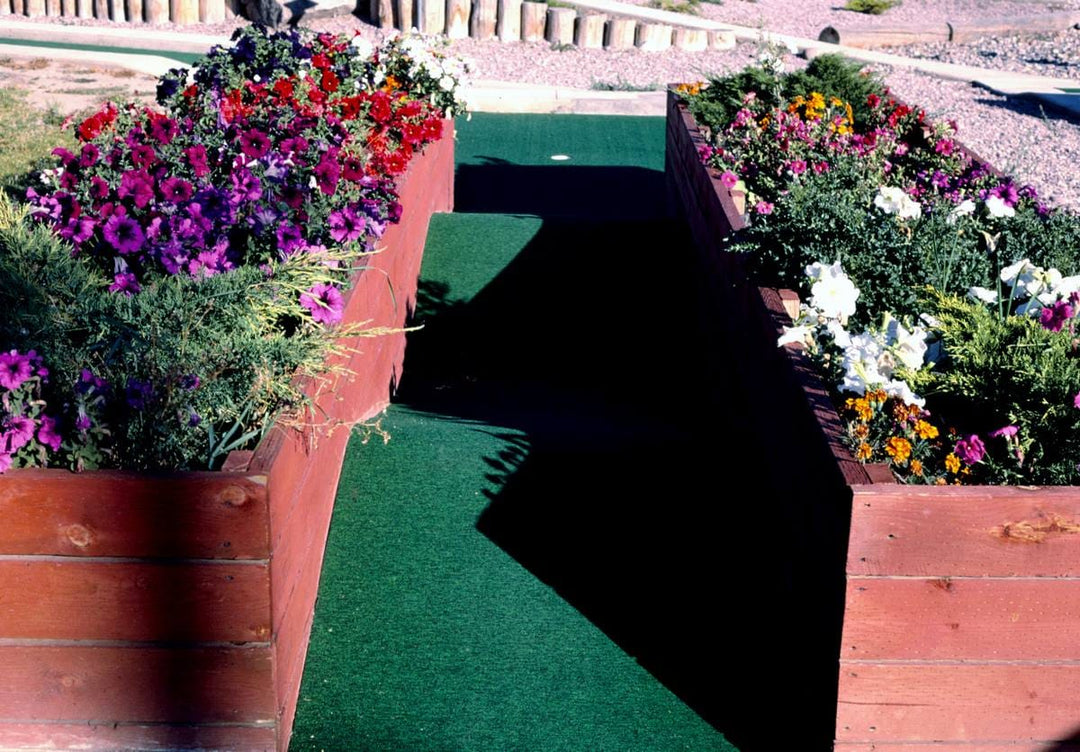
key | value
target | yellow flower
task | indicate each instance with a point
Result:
(689, 89)
(835, 101)
(916, 467)
(861, 431)
(391, 84)
(861, 408)
(926, 430)
(952, 463)
(816, 101)
(877, 395)
(864, 452)
(899, 449)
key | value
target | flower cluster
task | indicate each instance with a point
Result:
(1031, 290)
(27, 433)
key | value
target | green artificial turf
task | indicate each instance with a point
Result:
(182, 58)
(529, 563)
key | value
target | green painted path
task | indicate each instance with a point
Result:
(528, 564)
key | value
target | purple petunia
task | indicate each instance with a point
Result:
(16, 431)
(15, 368)
(78, 231)
(163, 129)
(327, 173)
(124, 234)
(5, 462)
(254, 143)
(970, 450)
(138, 185)
(89, 155)
(197, 159)
(325, 303)
(1054, 317)
(246, 187)
(345, 225)
(125, 283)
(47, 433)
(289, 238)
(176, 190)
(138, 394)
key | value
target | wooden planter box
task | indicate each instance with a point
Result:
(961, 605)
(173, 612)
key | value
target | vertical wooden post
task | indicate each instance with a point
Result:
(691, 40)
(532, 21)
(34, 8)
(67, 7)
(386, 14)
(482, 22)
(184, 12)
(134, 10)
(156, 11)
(5, 7)
(653, 37)
(620, 34)
(457, 19)
(590, 31)
(403, 15)
(211, 11)
(509, 23)
(52, 7)
(560, 25)
(431, 16)
(84, 8)
(722, 40)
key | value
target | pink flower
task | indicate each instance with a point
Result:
(1076, 401)
(970, 450)
(5, 462)
(17, 432)
(729, 179)
(47, 434)
(325, 303)
(14, 369)
(1007, 431)
(798, 167)
(763, 207)
(1054, 317)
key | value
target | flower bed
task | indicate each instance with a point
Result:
(171, 610)
(959, 603)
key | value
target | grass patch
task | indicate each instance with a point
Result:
(873, 7)
(106, 92)
(689, 7)
(620, 85)
(27, 137)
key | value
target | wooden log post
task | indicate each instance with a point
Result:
(653, 37)
(403, 15)
(885, 36)
(5, 7)
(211, 11)
(620, 34)
(52, 7)
(67, 7)
(135, 13)
(509, 22)
(533, 16)
(1018, 26)
(457, 19)
(156, 11)
(560, 26)
(691, 40)
(482, 22)
(34, 8)
(590, 31)
(84, 8)
(386, 14)
(722, 40)
(117, 11)
(431, 16)
(101, 8)
(184, 12)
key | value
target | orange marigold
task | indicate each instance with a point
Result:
(899, 449)
(864, 452)
(952, 463)
(916, 467)
(925, 430)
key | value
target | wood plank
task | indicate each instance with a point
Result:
(403, 15)
(106, 513)
(431, 16)
(457, 19)
(961, 619)
(620, 34)
(213, 11)
(482, 22)
(508, 26)
(590, 31)
(135, 738)
(533, 16)
(652, 37)
(157, 11)
(184, 12)
(61, 599)
(1000, 531)
(886, 36)
(1043, 23)
(954, 702)
(691, 40)
(136, 684)
(560, 26)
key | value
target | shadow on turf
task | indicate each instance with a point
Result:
(624, 496)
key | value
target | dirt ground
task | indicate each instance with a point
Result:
(67, 87)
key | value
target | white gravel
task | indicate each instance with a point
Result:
(1040, 148)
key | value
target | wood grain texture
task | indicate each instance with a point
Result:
(1044, 23)
(962, 619)
(107, 513)
(457, 18)
(560, 26)
(136, 684)
(135, 738)
(484, 16)
(885, 36)
(958, 702)
(508, 25)
(976, 531)
(589, 34)
(64, 599)
(620, 34)
(533, 19)
(652, 37)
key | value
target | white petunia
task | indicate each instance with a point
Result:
(362, 47)
(802, 335)
(982, 294)
(901, 390)
(997, 207)
(908, 346)
(963, 209)
(893, 200)
(833, 294)
(839, 334)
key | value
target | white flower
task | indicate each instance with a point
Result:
(963, 209)
(982, 294)
(908, 346)
(900, 389)
(802, 335)
(446, 83)
(893, 200)
(839, 334)
(1011, 272)
(833, 294)
(362, 47)
(997, 207)
(862, 357)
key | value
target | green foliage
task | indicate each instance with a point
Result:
(873, 7)
(835, 76)
(1008, 371)
(689, 7)
(219, 351)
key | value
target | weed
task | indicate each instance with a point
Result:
(873, 7)
(621, 85)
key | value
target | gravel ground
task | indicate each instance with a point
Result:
(1017, 136)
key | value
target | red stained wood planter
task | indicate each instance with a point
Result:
(961, 616)
(170, 612)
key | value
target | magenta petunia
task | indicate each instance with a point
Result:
(164, 129)
(5, 462)
(325, 303)
(1054, 317)
(970, 450)
(138, 185)
(125, 283)
(124, 234)
(327, 173)
(1076, 401)
(345, 225)
(176, 190)
(1006, 431)
(15, 368)
(16, 431)
(729, 179)
(197, 159)
(254, 143)
(47, 433)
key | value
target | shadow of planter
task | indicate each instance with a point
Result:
(956, 608)
(173, 611)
